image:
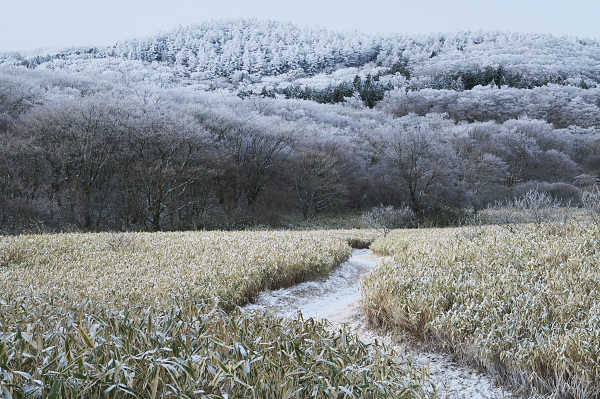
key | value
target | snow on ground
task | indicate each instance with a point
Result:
(337, 299)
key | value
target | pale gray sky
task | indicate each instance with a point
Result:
(31, 24)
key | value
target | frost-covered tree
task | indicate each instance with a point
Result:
(251, 153)
(388, 218)
(165, 157)
(318, 178)
(17, 93)
(421, 161)
(78, 142)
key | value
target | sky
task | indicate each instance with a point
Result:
(28, 25)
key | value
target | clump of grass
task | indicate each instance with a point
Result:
(12, 253)
(121, 241)
(524, 305)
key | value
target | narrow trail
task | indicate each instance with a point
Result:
(337, 299)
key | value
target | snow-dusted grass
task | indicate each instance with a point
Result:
(153, 269)
(58, 349)
(522, 303)
(146, 315)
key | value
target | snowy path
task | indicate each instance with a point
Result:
(337, 299)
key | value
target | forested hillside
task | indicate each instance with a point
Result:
(231, 123)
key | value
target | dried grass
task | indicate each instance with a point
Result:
(524, 305)
(152, 316)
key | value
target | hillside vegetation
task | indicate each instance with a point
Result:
(233, 124)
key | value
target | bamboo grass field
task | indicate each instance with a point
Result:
(153, 315)
(156, 314)
(152, 269)
(521, 302)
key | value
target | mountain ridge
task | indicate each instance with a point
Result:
(264, 48)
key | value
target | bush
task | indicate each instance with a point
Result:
(540, 205)
(533, 206)
(445, 217)
(560, 192)
(13, 255)
(388, 218)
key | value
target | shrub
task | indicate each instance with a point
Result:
(388, 218)
(13, 254)
(540, 205)
(445, 217)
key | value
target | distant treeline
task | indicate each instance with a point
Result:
(233, 123)
(82, 154)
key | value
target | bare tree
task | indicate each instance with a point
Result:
(485, 176)
(318, 179)
(165, 166)
(78, 141)
(421, 161)
(388, 218)
(252, 154)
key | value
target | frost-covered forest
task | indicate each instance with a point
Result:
(231, 123)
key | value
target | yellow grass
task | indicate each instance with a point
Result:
(523, 303)
(152, 316)
(153, 269)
